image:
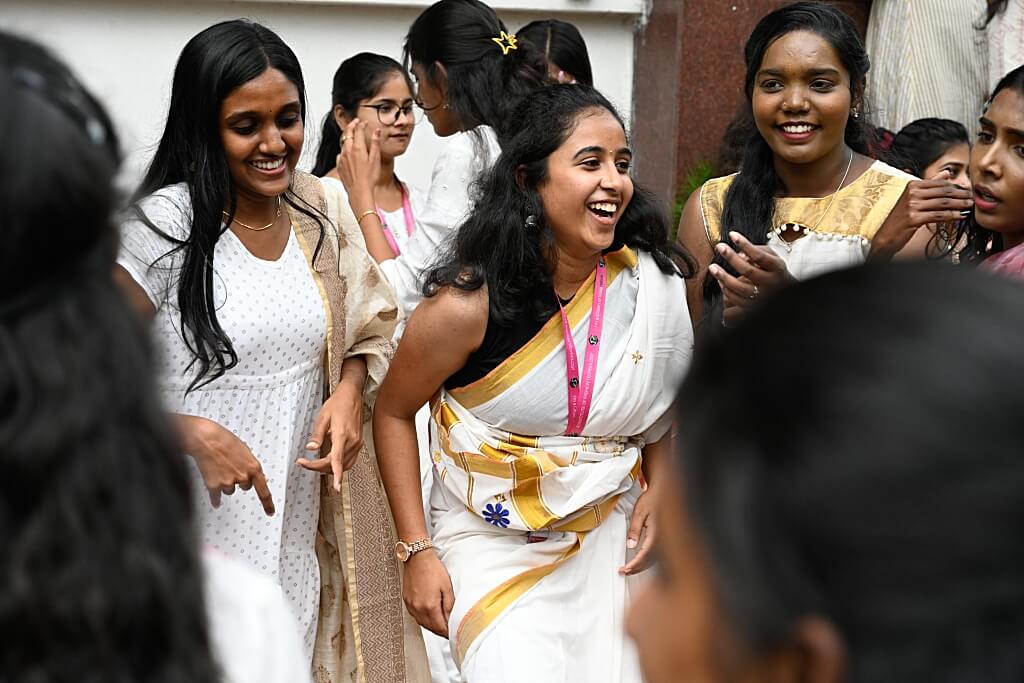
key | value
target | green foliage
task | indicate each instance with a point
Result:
(701, 172)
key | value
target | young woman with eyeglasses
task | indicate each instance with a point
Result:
(469, 74)
(374, 114)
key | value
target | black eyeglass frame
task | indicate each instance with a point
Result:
(409, 110)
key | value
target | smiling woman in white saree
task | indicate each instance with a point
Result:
(552, 341)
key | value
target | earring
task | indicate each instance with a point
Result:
(531, 222)
(854, 113)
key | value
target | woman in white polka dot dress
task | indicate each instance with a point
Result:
(269, 347)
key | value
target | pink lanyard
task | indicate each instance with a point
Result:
(409, 224)
(580, 396)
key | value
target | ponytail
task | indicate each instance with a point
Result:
(330, 146)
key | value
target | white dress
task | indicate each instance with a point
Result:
(275, 318)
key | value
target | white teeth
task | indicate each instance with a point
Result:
(269, 165)
(797, 128)
(607, 207)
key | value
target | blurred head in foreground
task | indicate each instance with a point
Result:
(850, 490)
(99, 570)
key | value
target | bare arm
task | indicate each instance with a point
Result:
(441, 334)
(693, 237)
(444, 330)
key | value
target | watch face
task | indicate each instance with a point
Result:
(401, 551)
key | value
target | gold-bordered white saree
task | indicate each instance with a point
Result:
(532, 524)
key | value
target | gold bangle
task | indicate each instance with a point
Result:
(364, 214)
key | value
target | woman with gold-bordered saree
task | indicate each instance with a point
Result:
(531, 523)
(550, 344)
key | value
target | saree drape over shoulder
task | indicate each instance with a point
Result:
(531, 524)
(364, 633)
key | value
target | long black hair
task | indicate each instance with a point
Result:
(100, 577)
(358, 78)
(891, 501)
(212, 64)
(749, 206)
(483, 83)
(495, 247)
(920, 143)
(979, 242)
(562, 45)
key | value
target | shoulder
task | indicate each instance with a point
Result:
(883, 178)
(711, 202)
(456, 316)
(881, 186)
(477, 149)
(883, 172)
(169, 209)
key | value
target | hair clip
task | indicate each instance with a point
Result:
(506, 42)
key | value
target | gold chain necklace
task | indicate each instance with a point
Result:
(265, 227)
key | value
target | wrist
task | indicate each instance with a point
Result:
(190, 429)
(406, 551)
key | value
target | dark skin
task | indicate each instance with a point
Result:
(802, 100)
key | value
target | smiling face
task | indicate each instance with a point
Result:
(801, 98)
(997, 168)
(955, 161)
(392, 97)
(261, 130)
(588, 185)
(432, 97)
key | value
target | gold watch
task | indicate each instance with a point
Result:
(403, 550)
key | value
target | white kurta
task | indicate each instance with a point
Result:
(465, 157)
(1005, 42)
(927, 60)
(275, 318)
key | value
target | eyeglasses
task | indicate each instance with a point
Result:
(388, 112)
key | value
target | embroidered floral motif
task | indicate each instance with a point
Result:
(496, 515)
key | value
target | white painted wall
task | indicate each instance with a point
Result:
(125, 51)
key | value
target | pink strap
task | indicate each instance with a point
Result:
(581, 393)
(410, 223)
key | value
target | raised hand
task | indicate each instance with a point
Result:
(923, 202)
